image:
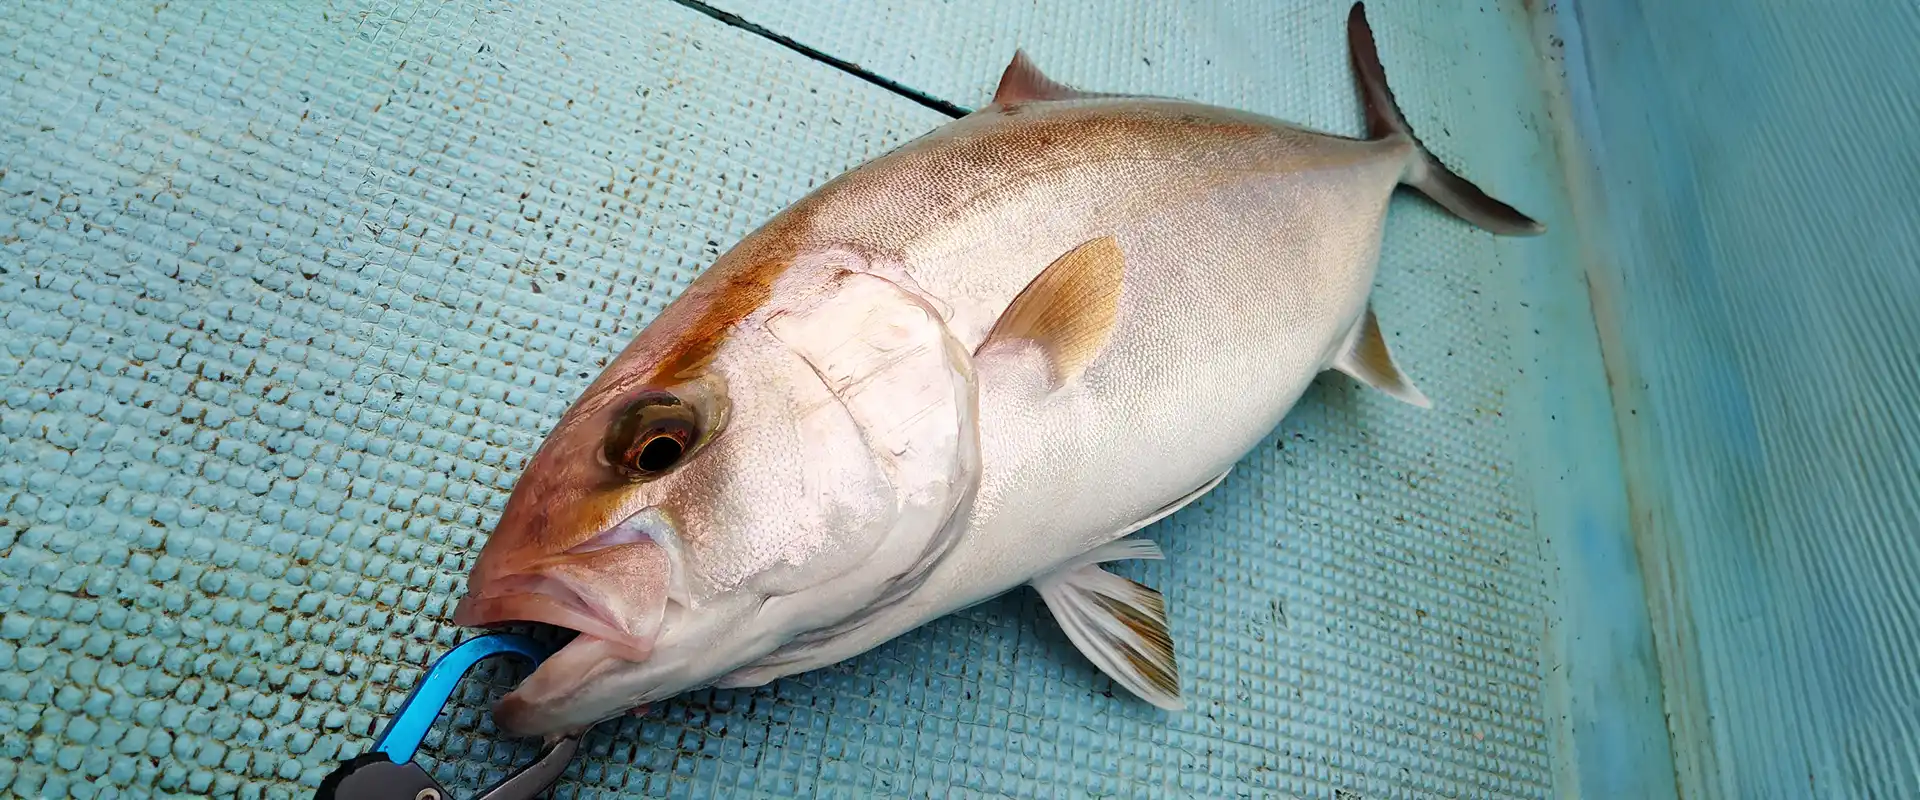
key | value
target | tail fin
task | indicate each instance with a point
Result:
(1427, 174)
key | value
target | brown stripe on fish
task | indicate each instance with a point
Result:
(970, 161)
(739, 283)
(730, 294)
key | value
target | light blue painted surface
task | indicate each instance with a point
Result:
(1755, 203)
(292, 290)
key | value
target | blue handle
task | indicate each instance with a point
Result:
(409, 727)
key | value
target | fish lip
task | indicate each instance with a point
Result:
(618, 624)
(540, 705)
(553, 600)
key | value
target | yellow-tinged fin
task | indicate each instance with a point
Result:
(1118, 624)
(1366, 359)
(1069, 308)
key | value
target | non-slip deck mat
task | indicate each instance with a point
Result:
(289, 291)
(1762, 192)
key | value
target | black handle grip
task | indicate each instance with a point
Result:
(373, 776)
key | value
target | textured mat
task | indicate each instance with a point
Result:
(1769, 360)
(289, 291)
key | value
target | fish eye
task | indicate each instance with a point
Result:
(652, 435)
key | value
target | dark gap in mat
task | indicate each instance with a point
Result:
(843, 65)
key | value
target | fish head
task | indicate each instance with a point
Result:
(689, 517)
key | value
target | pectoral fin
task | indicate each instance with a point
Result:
(1366, 359)
(1118, 624)
(1068, 309)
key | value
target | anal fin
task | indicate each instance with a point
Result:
(1367, 360)
(1119, 625)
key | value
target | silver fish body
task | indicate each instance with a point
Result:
(1041, 327)
(1249, 252)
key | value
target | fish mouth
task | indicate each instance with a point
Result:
(538, 707)
(552, 600)
(612, 587)
(612, 590)
(549, 702)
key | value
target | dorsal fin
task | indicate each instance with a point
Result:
(1023, 82)
(1068, 309)
(1368, 361)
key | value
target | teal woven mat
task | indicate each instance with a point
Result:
(289, 291)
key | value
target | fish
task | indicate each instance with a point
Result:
(981, 361)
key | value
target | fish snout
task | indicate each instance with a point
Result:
(612, 588)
